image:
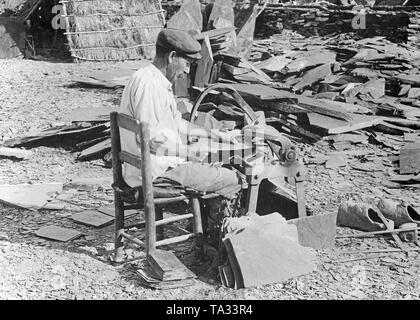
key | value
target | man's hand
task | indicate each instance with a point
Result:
(199, 152)
(157, 145)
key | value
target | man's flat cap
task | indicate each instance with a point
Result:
(179, 41)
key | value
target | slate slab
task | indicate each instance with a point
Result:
(92, 218)
(58, 233)
(29, 196)
(267, 251)
(317, 232)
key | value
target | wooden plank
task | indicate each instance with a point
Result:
(410, 158)
(204, 65)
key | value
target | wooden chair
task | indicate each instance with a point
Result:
(125, 198)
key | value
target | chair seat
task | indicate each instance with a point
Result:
(160, 192)
(133, 195)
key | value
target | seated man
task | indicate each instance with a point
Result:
(149, 97)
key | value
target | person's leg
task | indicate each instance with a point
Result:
(205, 178)
(211, 179)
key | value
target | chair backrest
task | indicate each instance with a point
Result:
(119, 120)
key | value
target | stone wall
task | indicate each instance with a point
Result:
(398, 24)
(313, 21)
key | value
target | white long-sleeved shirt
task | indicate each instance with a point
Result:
(149, 97)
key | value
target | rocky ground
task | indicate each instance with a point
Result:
(36, 94)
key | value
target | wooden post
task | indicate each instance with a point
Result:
(66, 19)
(117, 177)
(148, 201)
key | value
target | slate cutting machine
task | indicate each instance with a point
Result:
(257, 166)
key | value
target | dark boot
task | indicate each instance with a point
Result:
(398, 212)
(359, 215)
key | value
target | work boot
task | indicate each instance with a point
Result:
(362, 216)
(399, 212)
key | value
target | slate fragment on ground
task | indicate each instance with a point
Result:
(58, 233)
(167, 266)
(317, 232)
(29, 196)
(410, 158)
(336, 160)
(15, 153)
(92, 218)
(146, 278)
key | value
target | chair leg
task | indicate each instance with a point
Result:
(159, 230)
(204, 215)
(198, 226)
(119, 228)
(150, 216)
